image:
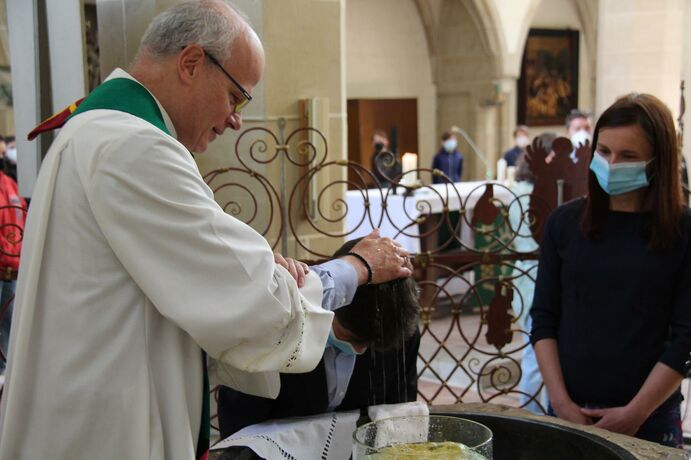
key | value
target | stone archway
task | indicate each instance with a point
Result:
(498, 32)
(465, 44)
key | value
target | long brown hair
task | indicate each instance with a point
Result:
(664, 195)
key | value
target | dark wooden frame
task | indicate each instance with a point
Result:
(542, 99)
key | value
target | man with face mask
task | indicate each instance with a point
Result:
(385, 164)
(578, 129)
(522, 139)
(448, 159)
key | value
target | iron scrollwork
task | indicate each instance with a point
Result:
(472, 257)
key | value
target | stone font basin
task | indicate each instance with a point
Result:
(521, 438)
(520, 435)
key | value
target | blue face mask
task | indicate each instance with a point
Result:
(342, 345)
(450, 145)
(619, 178)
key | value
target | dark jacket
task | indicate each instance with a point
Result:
(306, 394)
(450, 164)
(511, 155)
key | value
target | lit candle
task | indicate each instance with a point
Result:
(501, 170)
(409, 163)
(511, 175)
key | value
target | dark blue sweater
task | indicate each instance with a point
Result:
(615, 306)
(450, 163)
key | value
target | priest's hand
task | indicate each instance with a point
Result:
(387, 259)
(297, 269)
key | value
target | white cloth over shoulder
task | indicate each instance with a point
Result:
(129, 269)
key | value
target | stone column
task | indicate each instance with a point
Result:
(639, 49)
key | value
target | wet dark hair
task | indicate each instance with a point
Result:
(664, 195)
(446, 135)
(380, 315)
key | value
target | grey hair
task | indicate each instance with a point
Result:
(192, 22)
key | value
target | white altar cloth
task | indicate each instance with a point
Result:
(399, 220)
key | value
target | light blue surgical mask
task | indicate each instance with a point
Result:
(450, 145)
(619, 178)
(342, 345)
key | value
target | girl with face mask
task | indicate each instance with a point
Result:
(612, 307)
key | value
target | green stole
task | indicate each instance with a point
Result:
(131, 97)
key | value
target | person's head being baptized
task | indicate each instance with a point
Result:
(380, 316)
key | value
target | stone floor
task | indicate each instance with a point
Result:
(458, 338)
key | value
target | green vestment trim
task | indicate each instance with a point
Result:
(126, 96)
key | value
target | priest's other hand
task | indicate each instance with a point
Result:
(297, 269)
(387, 259)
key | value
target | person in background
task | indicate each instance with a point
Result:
(448, 159)
(11, 157)
(370, 358)
(521, 141)
(12, 217)
(3, 151)
(578, 129)
(386, 165)
(547, 139)
(532, 394)
(612, 308)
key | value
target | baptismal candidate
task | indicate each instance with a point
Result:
(370, 358)
(130, 270)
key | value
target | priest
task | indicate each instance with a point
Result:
(131, 274)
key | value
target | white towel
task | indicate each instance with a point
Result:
(411, 426)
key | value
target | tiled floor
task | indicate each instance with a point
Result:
(464, 341)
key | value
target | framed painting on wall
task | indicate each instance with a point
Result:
(548, 86)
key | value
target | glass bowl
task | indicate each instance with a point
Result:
(422, 437)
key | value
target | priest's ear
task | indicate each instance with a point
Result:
(190, 62)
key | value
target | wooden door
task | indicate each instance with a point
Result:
(397, 117)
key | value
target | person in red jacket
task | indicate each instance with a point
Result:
(12, 216)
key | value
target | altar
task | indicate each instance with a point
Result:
(398, 216)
